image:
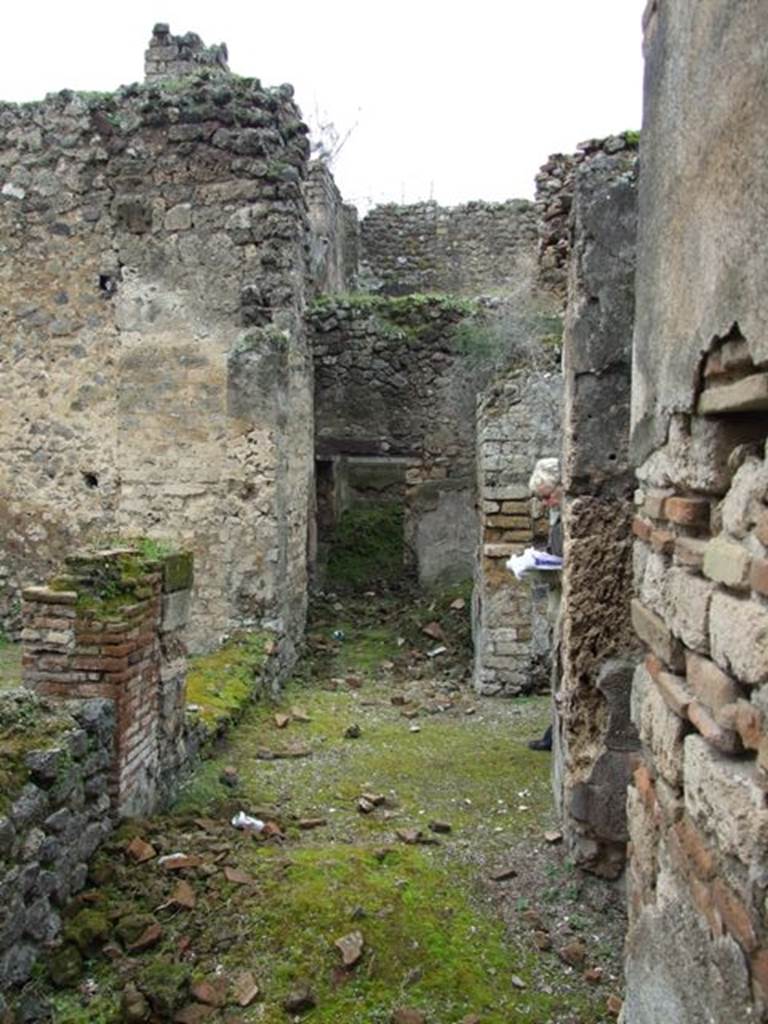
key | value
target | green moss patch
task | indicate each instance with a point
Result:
(222, 683)
(274, 907)
(26, 724)
(10, 664)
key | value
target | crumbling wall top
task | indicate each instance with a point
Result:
(170, 56)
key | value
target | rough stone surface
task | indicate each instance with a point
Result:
(598, 490)
(57, 828)
(696, 948)
(739, 637)
(150, 367)
(466, 250)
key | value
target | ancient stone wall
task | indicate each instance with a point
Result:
(554, 198)
(154, 376)
(391, 385)
(593, 739)
(335, 234)
(518, 422)
(170, 57)
(697, 948)
(466, 250)
(54, 813)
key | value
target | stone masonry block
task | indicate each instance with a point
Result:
(727, 562)
(689, 552)
(175, 610)
(642, 528)
(661, 730)
(689, 598)
(746, 719)
(653, 631)
(653, 506)
(761, 528)
(739, 637)
(687, 511)
(709, 683)
(674, 691)
(724, 797)
(178, 571)
(747, 395)
(716, 735)
(758, 576)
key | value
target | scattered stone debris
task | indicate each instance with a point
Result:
(245, 989)
(440, 827)
(574, 954)
(433, 630)
(504, 874)
(300, 1000)
(230, 777)
(353, 732)
(307, 824)
(408, 1016)
(140, 851)
(282, 721)
(351, 948)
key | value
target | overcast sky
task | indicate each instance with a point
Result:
(444, 100)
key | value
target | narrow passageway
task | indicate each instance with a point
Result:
(408, 869)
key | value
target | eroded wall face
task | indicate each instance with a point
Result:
(594, 739)
(518, 422)
(697, 948)
(154, 371)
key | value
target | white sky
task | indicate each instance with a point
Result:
(451, 101)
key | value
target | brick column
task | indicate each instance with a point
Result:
(110, 627)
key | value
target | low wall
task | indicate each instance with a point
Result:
(55, 764)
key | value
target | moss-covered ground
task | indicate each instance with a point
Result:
(10, 664)
(440, 936)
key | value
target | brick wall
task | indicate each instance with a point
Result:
(111, 627)
(697, 947)
(518, 422)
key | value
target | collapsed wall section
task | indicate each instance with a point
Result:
(554, 199)
(697, 947)
(154, 377)
(464, 250)
(393, 389)
(518, 422)
(593, 739)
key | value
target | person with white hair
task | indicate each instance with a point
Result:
(545, 485)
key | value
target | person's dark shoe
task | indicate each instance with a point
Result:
(545, 743)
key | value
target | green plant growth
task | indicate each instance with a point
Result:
(25, 725)
(509, 340)
(105, 585)
(367, 546)
(222, 683)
